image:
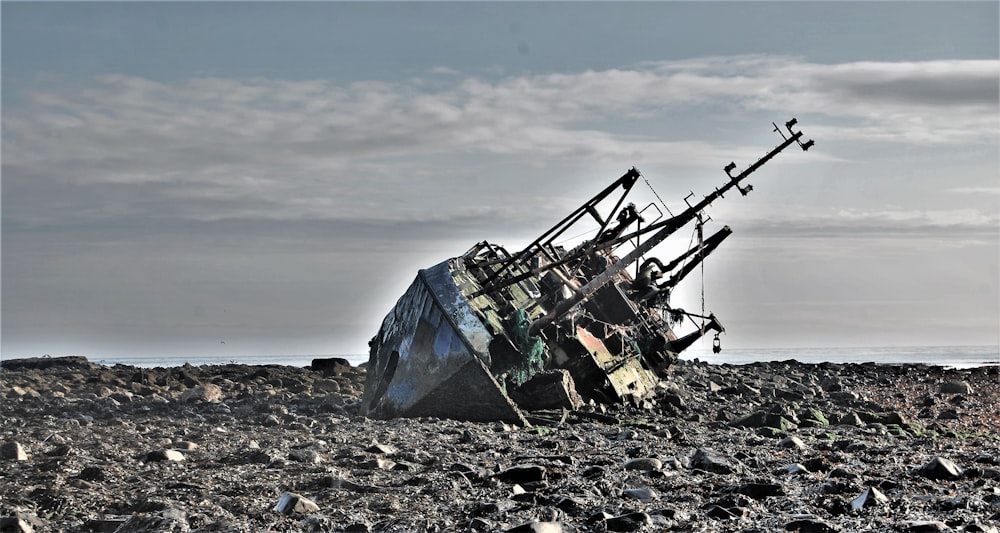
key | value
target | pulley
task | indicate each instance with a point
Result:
(716, 344)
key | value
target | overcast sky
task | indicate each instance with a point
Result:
(267, 178)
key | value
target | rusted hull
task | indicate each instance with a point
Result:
(431, 358)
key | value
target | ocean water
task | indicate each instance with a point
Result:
(950, 356)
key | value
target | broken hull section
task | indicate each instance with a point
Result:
(431, 358)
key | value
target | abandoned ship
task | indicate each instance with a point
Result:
(492, 335)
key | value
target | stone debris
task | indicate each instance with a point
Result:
(869, 498)
(265, 458)
(955, 387)
(923, 526)
(289, 503)
(203, 393)
(13, 451)
(165, 455)
(940, 468)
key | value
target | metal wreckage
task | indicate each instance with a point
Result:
(492, 335)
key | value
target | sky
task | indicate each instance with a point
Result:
(267, 178)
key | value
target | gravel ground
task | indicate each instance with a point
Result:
(764, 447)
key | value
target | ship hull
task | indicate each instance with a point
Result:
(431, 358)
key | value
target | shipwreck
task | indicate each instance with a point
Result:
(492, 335)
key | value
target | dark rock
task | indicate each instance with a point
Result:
(628, 522)
(536, 526)
(869, 498)
(949, 414)
(940, 468)
(164, 455)
(922, 526)
(290, 503)
(13, 451)
(842, 473)
(384, 449)
(311, 456)
(103, 525)
(521, 474)
(203, 393)
(21, 522)
(851, 419)
(74, 362)
(792, 441)
(593, 472)
(92, 473)
(570, 505)
(645, 464)
(955, 387)
(810, 525)
(832, 384)
(552, 389)
(795, 469)
(169, 520)
(759, 491)
(643, 494)
(330, 366)
(710, 461)
(721, 513)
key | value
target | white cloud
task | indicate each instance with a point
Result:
(975, 190)
(212, 148)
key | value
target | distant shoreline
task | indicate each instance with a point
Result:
(971, 356)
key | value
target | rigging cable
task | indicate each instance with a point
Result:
(657, 195)
(701, 255)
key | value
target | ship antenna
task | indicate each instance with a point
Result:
(701, 252)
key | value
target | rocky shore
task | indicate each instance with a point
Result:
(765, 447)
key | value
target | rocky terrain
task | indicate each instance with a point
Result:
(765, 447)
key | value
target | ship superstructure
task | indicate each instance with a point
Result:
(491, 334)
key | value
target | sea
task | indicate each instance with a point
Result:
(947, 356)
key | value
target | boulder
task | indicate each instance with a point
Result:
(330, 366)
(13, 451)
(955, 387)
(940, 468)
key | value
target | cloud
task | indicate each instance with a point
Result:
(975, 190)
(818, 225)
(215, 149)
